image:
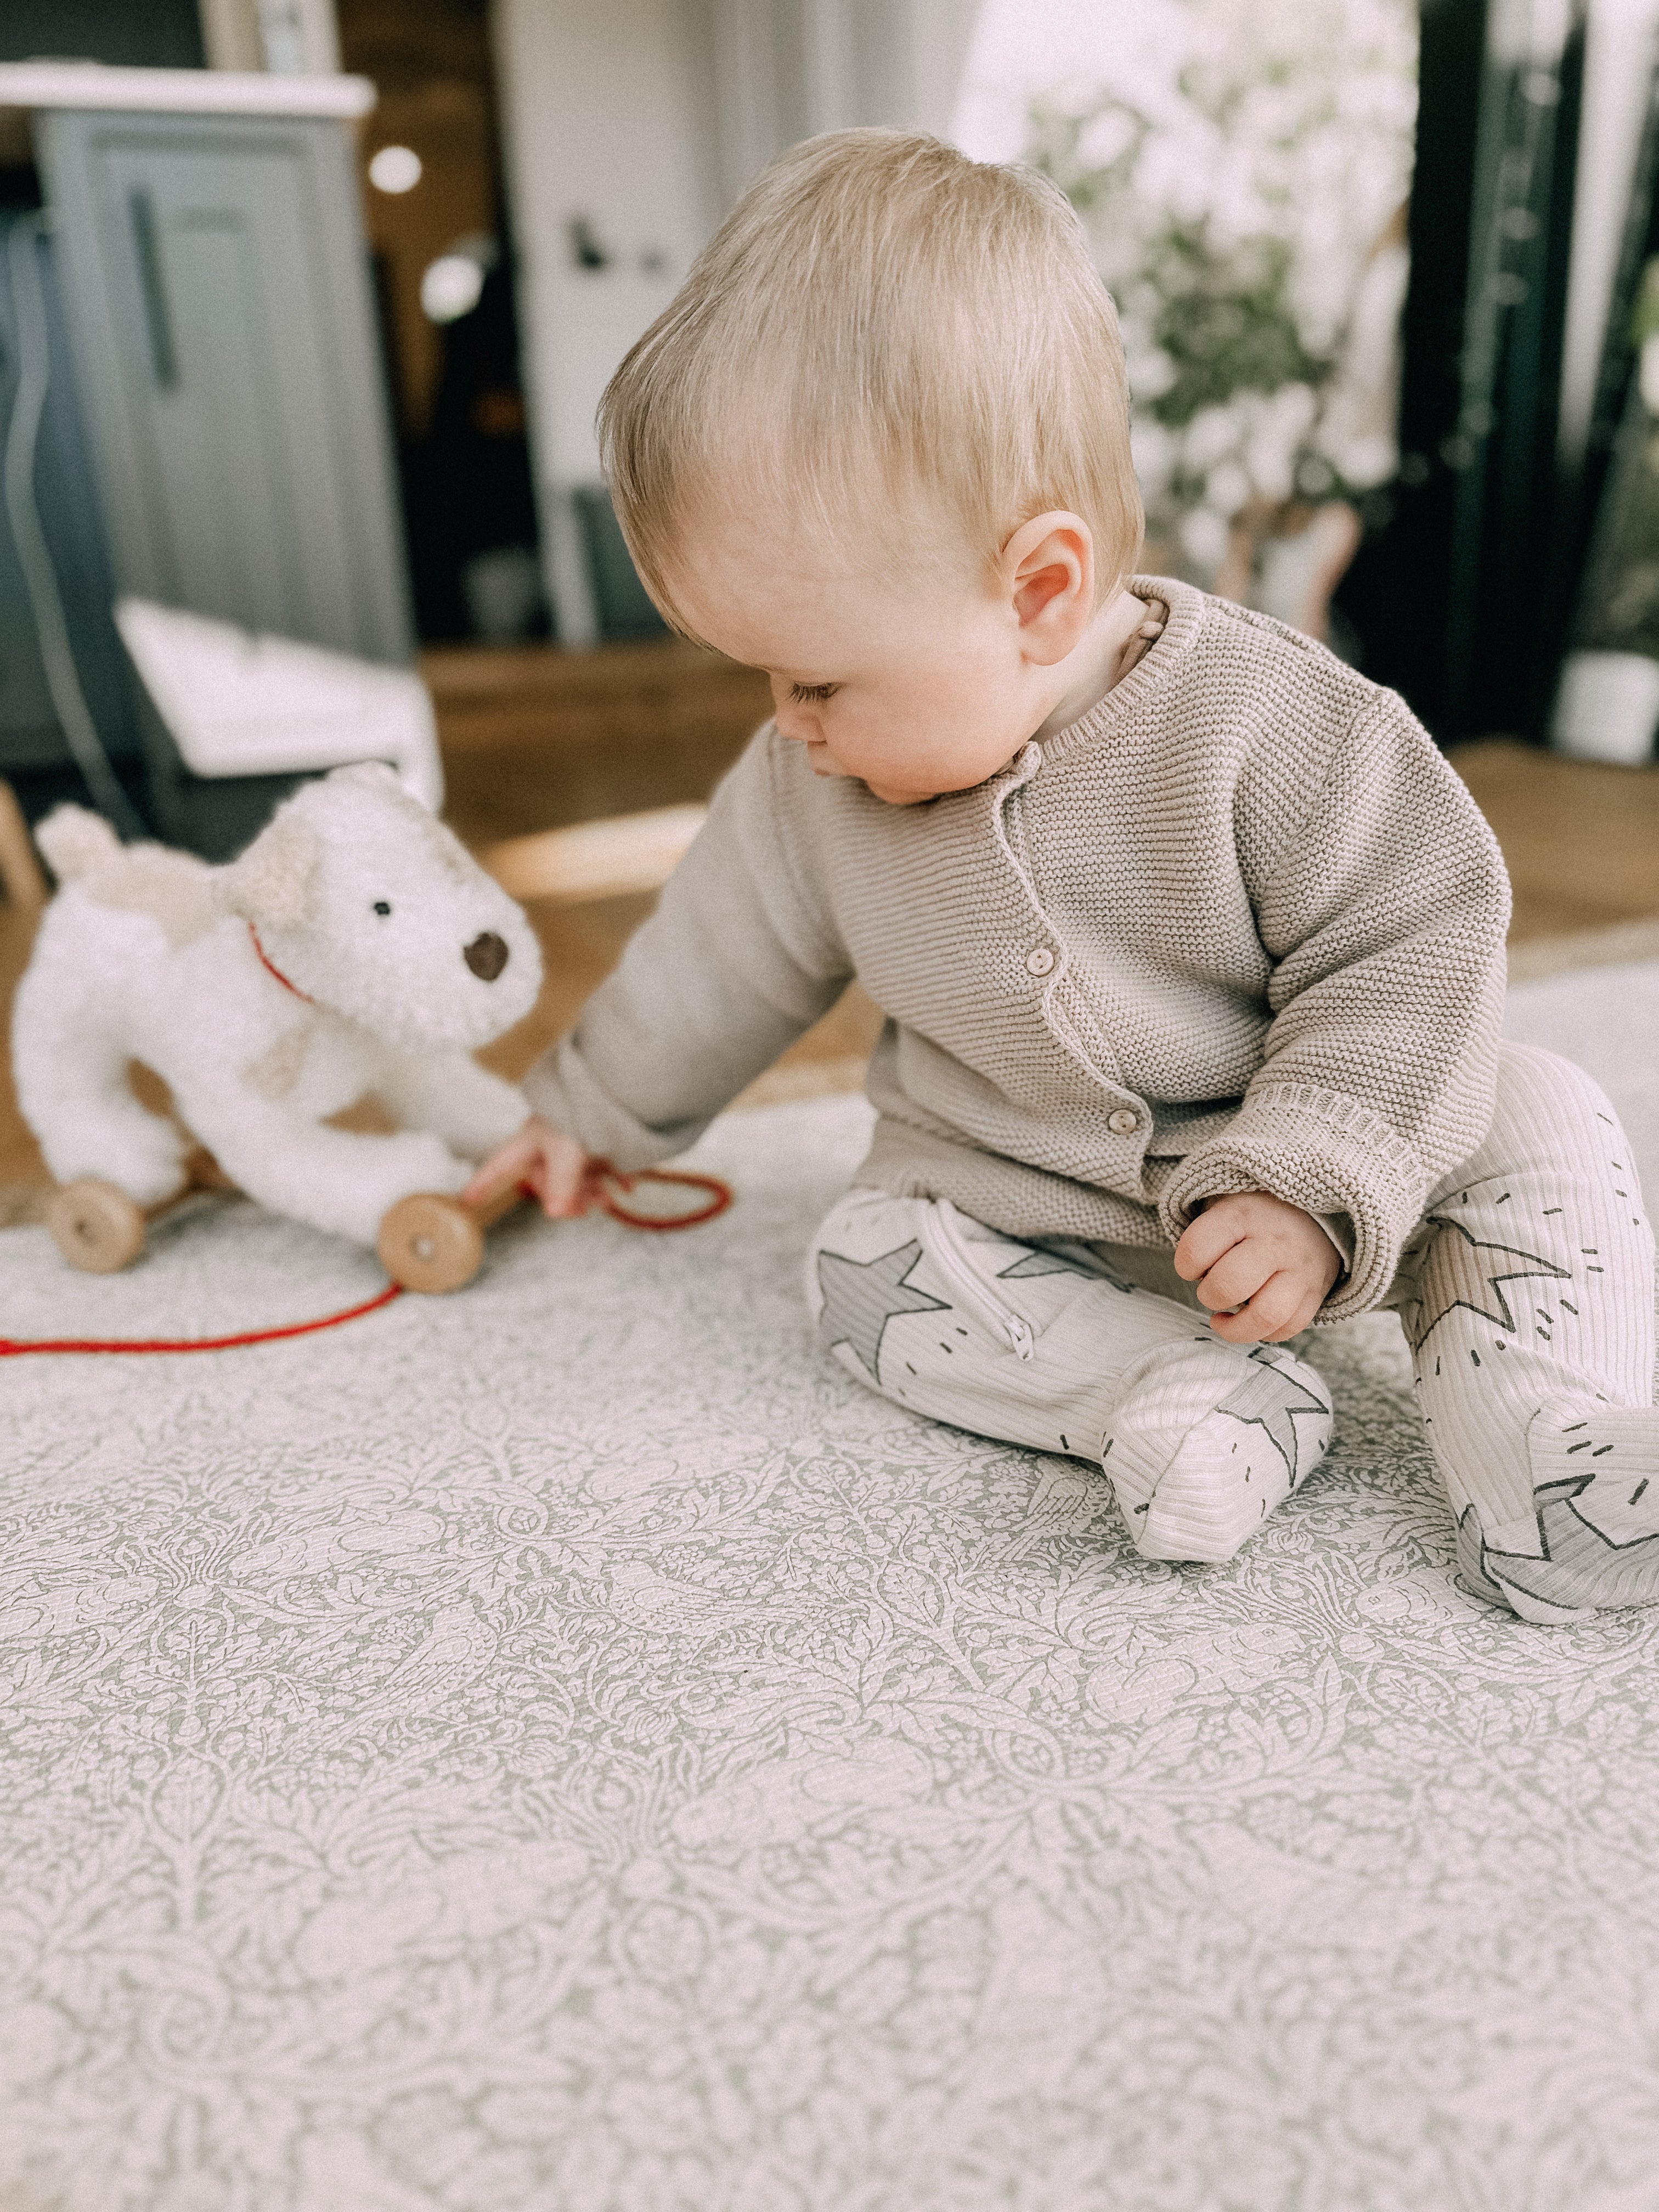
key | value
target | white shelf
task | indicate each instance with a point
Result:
(86, 85)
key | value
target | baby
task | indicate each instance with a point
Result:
(1190, 944)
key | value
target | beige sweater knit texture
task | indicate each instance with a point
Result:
(1239, 927)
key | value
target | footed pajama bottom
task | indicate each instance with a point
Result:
(1525, 1292)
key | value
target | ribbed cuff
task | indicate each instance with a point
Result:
(563, 1090)
(1323, 1152)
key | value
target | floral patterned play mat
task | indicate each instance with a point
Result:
(564, 1747)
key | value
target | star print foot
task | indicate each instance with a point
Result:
(861, 1297)
(1472, 1559)
(1592, 1540)
(1208, 1441)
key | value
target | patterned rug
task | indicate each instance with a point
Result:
(566, 1746)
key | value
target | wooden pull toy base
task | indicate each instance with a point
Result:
(100, 1229)
(428, 1242)
(96, 1227)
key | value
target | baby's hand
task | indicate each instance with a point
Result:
(1267, 1259)
(562, 1175)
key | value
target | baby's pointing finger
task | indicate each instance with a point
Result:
(507, 1166)
(564, 1182)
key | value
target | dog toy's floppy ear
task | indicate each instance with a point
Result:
(76, 842)
(272, 882)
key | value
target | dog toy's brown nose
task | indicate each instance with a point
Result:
(486, 956)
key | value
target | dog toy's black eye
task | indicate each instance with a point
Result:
(380, 907)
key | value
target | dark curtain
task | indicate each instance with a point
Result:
(1460, 598)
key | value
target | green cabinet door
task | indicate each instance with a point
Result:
(217, 284)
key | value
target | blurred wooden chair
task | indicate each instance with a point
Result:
(21, 875)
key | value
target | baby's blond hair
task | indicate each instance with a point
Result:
(880, 324)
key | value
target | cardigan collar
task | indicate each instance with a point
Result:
(1149, 675)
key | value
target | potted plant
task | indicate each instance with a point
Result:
(1249, 215)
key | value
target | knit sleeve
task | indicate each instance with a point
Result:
(1383, 910)
(740, 956)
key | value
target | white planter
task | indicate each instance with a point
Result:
(1608, 707)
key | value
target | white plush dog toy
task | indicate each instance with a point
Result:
(354, 948)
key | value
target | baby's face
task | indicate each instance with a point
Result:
(910, 677)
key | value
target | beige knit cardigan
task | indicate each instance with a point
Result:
(1239, 927)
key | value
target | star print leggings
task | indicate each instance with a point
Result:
(1526, 1294)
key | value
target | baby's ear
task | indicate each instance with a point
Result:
(272, 882)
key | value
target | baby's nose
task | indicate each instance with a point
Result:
(487, 955)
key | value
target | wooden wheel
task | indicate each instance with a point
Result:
(96, 1227)
(430, 1243)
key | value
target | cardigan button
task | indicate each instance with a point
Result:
(1123, 1123)
(1039, 960)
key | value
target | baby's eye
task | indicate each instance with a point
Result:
(813, 695)
(380, 907)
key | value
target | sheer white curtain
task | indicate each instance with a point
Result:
(787, 69)
(631, 126)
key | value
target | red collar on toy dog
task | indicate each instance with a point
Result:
(271, 967)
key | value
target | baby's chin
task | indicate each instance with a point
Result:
(818, 760)
(899, 797)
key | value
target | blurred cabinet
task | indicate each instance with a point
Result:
(218, 295)
(66, 526)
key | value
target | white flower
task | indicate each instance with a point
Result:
(1226, 488)
(1153, 453)
(1151, 374)
(1274, 441)
(1213, 434)
(1204, 536)
(1366, 461)
(1105, 136)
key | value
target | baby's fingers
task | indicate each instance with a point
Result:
(545, 1161)
(564, 1180)
(517, 1161)
(1238, 1275)
(1282, 1307)
(1202, 1243)
(1251, 1324)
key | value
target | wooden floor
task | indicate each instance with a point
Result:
(1581, 838)
(537, 740)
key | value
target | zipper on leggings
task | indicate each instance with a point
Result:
(954, 1260)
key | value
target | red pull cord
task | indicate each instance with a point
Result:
(720, 1196)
